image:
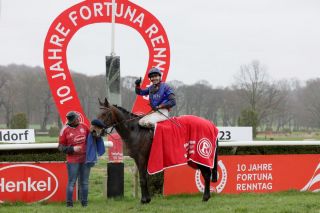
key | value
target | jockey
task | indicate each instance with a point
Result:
(161, 97)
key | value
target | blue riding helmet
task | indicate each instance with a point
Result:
(154, 70)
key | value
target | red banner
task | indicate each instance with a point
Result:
(250, 173)
(33, 182)
(66, 25)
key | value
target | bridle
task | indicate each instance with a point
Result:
(112, 126)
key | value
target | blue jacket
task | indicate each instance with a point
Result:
(159, 97)
(94, 148)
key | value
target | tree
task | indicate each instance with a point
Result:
(249, 118)
(19, 121)
(310, 97)
(260, 96)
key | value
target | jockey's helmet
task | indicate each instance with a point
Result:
(154, 70)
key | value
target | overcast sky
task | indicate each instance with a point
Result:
(209, 39)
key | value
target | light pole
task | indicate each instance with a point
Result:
(115, 168)
(113, 67)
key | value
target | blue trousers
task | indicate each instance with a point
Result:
(81, 171)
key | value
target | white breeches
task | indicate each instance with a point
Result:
(153, 118)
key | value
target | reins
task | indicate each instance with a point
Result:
(121, 122)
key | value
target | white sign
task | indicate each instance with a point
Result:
(17, 136)
(235, 134)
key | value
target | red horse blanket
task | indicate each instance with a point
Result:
(186, 139)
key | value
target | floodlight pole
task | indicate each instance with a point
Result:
(115, 168)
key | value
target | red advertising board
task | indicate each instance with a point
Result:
(116, 151)
(250, 173)
(33, 182)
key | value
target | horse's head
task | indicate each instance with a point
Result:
(107, 113)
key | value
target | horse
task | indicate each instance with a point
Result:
(138, 141)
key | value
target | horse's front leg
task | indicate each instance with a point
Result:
(206, 173)
(145, 197)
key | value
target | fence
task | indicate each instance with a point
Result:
(38, 146)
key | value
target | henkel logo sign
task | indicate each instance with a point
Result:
(67, 24)
(26, 182)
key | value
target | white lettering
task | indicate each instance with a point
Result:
(97, 8)
(54, 55)
(160, 52)
(61, 29)
(159, 63)
(157, 40)
(10, 186)
(66, 99)
(253, 186)
(56, 40)
(119, 13)
(63, 91)
(139, 19)
(85, 10)
(153, 29)
(73, 17)
(59, 75)
(130, 13)
(56, 66)
(25, 186)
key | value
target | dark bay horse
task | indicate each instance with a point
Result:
(138, 141)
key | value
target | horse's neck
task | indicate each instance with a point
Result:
(122, 127)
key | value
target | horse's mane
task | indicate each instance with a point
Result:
(123, 110)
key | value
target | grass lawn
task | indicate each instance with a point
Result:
(294, 136)
(46, 139)
(290, 201)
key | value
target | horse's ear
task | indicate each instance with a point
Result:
(100, 102)
(106, 103)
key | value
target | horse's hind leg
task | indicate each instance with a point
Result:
(206, 173)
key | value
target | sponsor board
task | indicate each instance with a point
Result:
(249, 173)
(115, 152)
(33, 182)
(17, 136)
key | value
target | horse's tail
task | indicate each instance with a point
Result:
(214, 172)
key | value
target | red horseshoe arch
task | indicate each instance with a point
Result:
(89, 12)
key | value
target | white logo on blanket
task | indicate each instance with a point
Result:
(204, 148)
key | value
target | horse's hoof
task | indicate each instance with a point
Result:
(205, 198)
(145, 200)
